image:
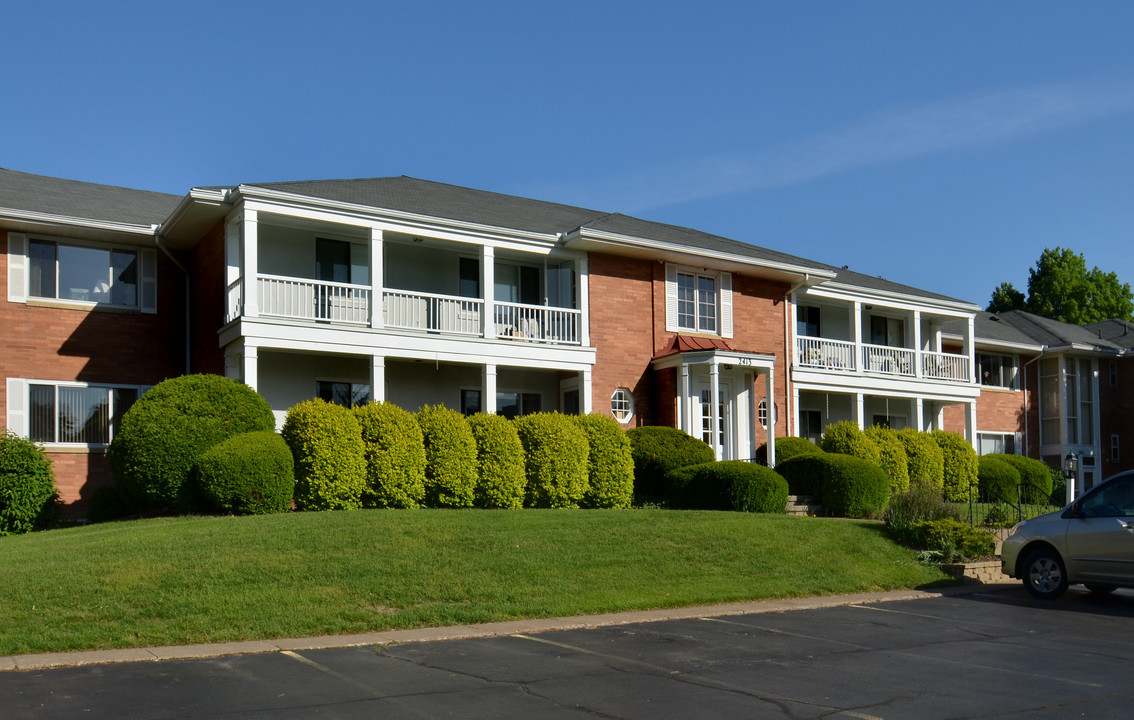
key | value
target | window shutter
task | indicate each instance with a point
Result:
(17, 268)
(17, 406)
(147, 287)
(726, 304)
(671, 297)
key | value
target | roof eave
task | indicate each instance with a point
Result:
(960, 305)
(31, 221)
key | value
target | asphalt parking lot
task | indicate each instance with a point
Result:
(990, 653)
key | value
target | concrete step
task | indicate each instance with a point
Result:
(803, 505)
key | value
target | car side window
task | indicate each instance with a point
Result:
(1112, 499)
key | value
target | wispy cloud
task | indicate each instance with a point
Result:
(889, 136)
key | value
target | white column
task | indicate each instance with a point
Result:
(970, 350)
(488, 388)
(583, 302)
(857, 320)
(971, 423)
(249, 365)
(488, 289)
(918, 364)
(377, 282)
(860, 410)
(919, 413)
(685, 402)
(378, 378)
(249, 261)
(585, 395)
(770, 391)
(715, 407)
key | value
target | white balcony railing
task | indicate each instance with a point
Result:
(537, 323)
(816, 352)
(889, 360)
(436, 313)
(839, 356)
(313, 300)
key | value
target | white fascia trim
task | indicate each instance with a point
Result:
(1008, 346)
(850, 293)
(197, 196)
(371, 214)
(881, 389)
(752, 361)
(699, 254)
(66, 221)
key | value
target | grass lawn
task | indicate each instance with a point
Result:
(215, 579)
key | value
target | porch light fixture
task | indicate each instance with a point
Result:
(1071, 465)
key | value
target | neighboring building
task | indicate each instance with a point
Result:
(1050, 388)
(417, 292)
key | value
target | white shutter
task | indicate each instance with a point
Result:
(17, 267)
(726, 305)
(671, 298)
(147, 283)
(17, 420)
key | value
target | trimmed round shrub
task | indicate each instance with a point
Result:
(394, 449)
(330, 465)
(656, 450)
(555, 460)
(953, 540)
(789, 447)
(27, 486)
(450, 457)
(960, 464)
(161, 436)
(501, 481)
(610, 475)
(893, 456)
(249, 474)
(728, 485)
(926, 461)
(998, 479)
(1035, 477)
(845, 437)
(803, 473)
(923, 501)
(853, 487)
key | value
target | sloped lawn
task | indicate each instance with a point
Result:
(215, 579)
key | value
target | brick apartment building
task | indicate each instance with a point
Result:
(416, 292)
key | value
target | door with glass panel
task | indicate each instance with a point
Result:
(724, 433)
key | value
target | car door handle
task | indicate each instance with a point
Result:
(1126, 525)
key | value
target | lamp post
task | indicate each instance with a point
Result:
(1071, 472)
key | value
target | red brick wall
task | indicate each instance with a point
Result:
(1116, 415)
(207, 268)
(95, 346)
(627, 296)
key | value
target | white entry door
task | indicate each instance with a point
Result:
(724, 423)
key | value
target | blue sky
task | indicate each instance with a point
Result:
(939, 144)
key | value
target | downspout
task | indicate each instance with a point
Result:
(176, 262)
(1043, 349)
(790, 352)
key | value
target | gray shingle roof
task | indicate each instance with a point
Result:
(24, 192)
(1025, 328)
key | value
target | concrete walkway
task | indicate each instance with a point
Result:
(454, 632)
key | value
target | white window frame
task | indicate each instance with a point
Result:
(1016, 439)
(762, 413)
(1009, 364)
(19, 407)
(723, 292)
(19, 273)
(622, 405)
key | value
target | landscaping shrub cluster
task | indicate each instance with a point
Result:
(248, 474)
(656, 450)
(922, 502)
(846, 485)
(727, 485)
(162, 437)
(27, 486)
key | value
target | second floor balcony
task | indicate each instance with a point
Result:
(841, 356)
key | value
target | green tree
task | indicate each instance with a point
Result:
(1061, 288)
(1006, 298)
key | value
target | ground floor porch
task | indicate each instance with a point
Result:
(816, 408)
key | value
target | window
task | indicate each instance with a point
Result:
(762, 413)
(515, 404)
(89, 274)
(469, 277)
(997, 371)
(889, 332)
(343, 393)
(1114, 453)
(894, 422)
(698, 301)
(807, 321)
(622, 405)
(1002, 443)
(76, 414)
(470, 402)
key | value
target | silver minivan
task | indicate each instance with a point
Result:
(1091, 541)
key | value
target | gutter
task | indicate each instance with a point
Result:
(1043, 350)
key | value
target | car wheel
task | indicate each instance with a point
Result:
(1100, 589)
(1044, 574)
